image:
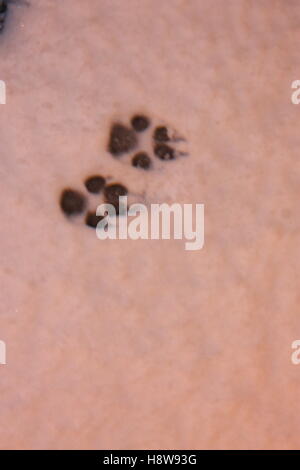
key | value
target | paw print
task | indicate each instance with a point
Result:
(74, 202)
(5, 6)
(164, 142)
(3, 12)
(124, 140)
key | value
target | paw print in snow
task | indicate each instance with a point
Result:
(164, 142)
(134, 141)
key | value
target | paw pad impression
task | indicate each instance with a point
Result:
(164, 143)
